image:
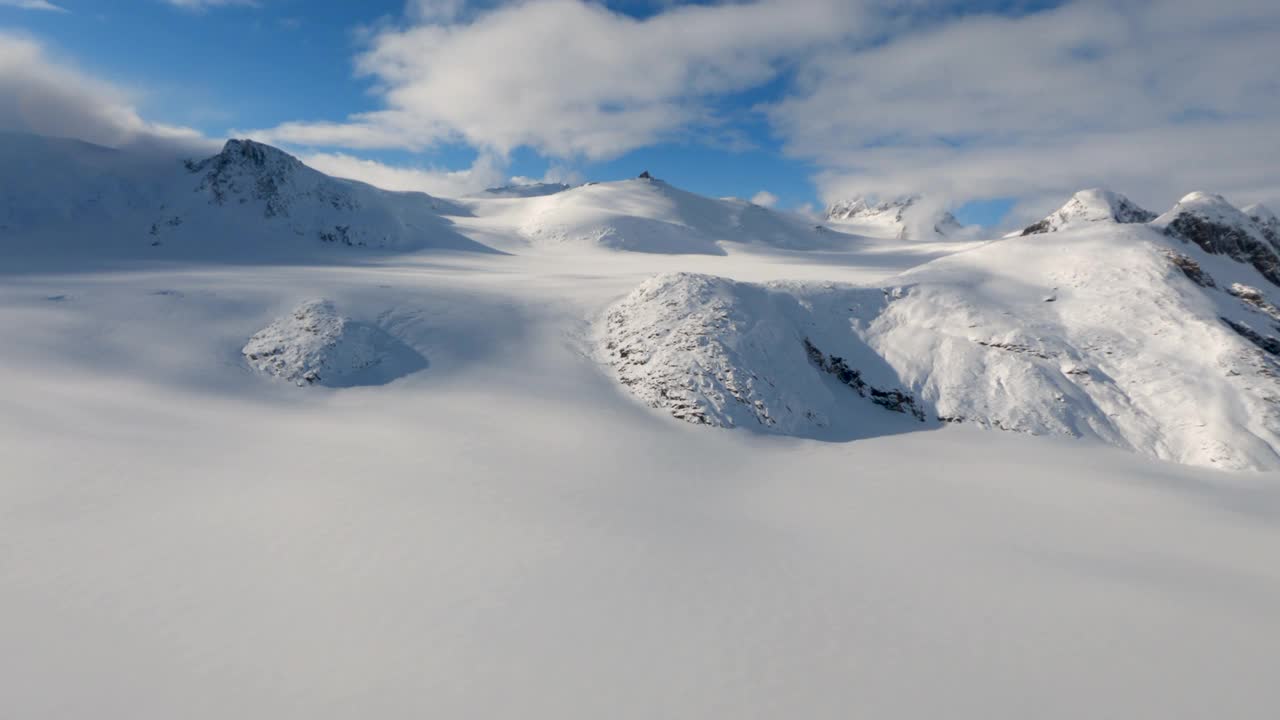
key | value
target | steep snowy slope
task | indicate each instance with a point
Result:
(1267, 222)
(1111, 332)
(651, 216)
(1218, 228)
(906, 218)
(1091, 206)
(249, 200)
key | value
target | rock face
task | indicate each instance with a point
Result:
(905, 218)
(314, 345)
(526, 190)
(1218, 228)
(1091, 206)
(716, 352)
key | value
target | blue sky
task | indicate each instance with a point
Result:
(996, 109)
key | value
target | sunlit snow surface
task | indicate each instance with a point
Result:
(507, 531)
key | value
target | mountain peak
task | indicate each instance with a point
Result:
(1219, 228)
(1092, 205)
(249, 152)
(903, 217)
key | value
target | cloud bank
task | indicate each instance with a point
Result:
(1152, 97)
(40, 95)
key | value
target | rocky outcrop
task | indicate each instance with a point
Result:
(315, 345)
(1190, 268)
(711, 351)
(1267, 343)
(1211, 223)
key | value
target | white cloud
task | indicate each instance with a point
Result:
(32, 5)
(41, 96)
(486, 172)
(206, 4)
(569, 78)
(764, 198)
(1153, 98)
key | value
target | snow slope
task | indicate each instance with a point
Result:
(507, 532)
(1101, 335)
(182, 538)
(651, 216)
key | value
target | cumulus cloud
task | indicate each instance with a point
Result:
(764, 198)
(32, 5)
(1153, 98)
(39, 95)
(569, 78)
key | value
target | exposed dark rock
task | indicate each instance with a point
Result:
(1015, 348)
(1233, 241)
(1191, 269)
(1041, 227)
(1267, 343)
(895, 400)
(1254, 298)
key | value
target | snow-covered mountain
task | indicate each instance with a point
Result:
(1219, 228)
(249, 200)
(1094, 205)
(1119, 332)
(904, 218)
(462, 491)
(651, 216)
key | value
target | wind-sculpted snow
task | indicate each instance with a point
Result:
(314, 345)
(1107, 337)
(1094, 205)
